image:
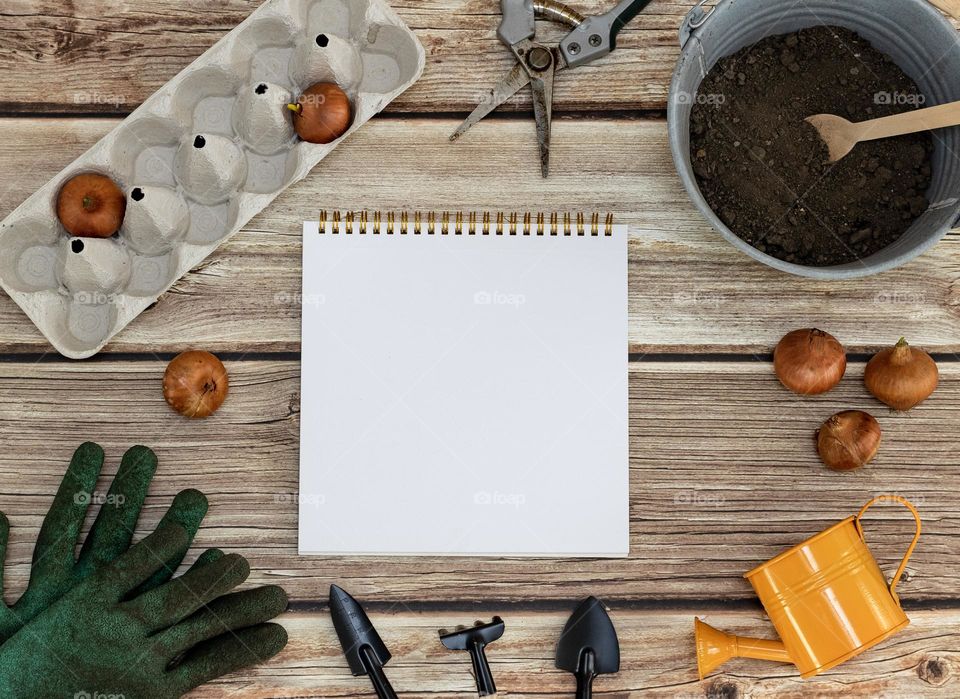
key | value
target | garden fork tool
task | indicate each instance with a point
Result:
(537, 63)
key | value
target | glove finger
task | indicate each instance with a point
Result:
(60, 531)
(206, 558)
(228, 653)
(113, 529)
(181, 597)
(143, 559)
(188, 510)
(223, 615)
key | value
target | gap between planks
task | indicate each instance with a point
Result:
(689, 289)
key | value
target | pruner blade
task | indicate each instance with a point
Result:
(515, 81)
(542, 87)
(540, 64)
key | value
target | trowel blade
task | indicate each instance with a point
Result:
(589, 628)
(355, 631)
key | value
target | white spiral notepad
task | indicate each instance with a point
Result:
(464, 386)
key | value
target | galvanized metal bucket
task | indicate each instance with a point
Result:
(912, 32)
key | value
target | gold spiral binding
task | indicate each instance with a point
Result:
(472, 223)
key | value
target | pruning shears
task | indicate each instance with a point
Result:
(537, 63)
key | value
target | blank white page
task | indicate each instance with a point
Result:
(464, 395)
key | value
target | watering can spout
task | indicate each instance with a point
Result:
(715, 647)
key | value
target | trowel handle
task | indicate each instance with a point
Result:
(586, 671)
(381, 685)
(585, 686)
(913, 544)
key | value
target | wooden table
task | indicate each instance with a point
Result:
(723, 471)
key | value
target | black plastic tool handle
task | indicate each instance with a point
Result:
(585, 674)
(597, 36)
(621, 15)
(381, 685)
(481, 670)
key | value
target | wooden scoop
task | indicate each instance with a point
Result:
(841, 135)
(951, 7)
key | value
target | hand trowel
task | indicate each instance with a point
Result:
(588, 646)
(365, 651)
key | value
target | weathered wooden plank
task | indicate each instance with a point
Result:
(689, 289)
(723, 477)
(107, 57)
(657, 659)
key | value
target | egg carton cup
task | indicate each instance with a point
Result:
(202, 156)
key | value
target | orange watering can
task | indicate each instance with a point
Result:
(826, 598)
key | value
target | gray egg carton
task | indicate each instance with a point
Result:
(200, 158)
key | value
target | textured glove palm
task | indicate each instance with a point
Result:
(55, 568)
(104, 636)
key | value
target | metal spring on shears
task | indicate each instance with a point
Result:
(557, 12)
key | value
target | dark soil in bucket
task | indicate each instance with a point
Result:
(764, 170)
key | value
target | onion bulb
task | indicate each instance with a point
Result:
(91, 206)
(195, 383)
(809, 361)
(848, 440)
(901, 376)
(322, 114)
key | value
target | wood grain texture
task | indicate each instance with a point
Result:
(101, 56)
(723, 472)
(689, 289)
(723, 477)
(657, 659)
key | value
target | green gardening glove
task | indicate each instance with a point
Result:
(56, 569)
(103, 638)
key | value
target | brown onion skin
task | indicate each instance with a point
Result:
(848, 440)
(91, 206)
(809, 361)
(195, 384)
(901, 376)
(324, 113)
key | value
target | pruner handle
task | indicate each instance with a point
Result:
(597, 36)
(518, 22)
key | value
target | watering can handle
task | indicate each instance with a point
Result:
(913, 544)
